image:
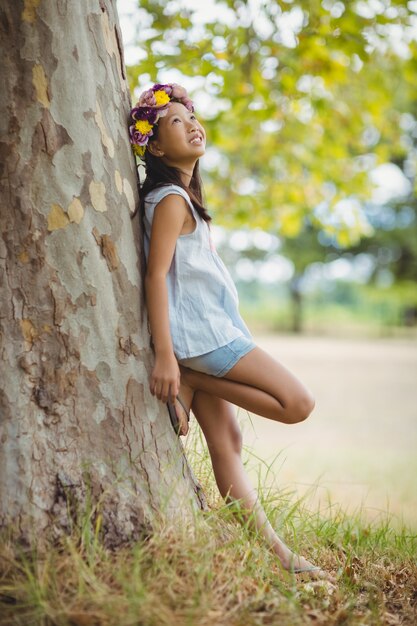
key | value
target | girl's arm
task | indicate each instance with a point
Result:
(168, 222)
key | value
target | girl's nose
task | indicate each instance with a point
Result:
(193, 129)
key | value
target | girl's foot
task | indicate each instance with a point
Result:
(299, 565)
(182, 405)
(178, 416)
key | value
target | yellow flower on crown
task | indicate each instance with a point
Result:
(143, 126)
(139, 150)
(161, 97)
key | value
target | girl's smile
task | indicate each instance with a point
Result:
(197, 138)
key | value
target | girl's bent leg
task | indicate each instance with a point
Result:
(221, 430)
(260, 384)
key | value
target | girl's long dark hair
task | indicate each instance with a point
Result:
(159, 174)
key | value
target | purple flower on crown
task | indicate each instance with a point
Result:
(145, 113)
(138, 137)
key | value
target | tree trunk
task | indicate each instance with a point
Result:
(296, 300)
(78, 422)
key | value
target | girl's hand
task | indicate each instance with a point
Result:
(165, 378)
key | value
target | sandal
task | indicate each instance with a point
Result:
(174, 417)
(322, 575)
(305, 570)
(301, 570)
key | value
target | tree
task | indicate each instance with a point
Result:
(298, 119)
(297, 122)
(78, 422)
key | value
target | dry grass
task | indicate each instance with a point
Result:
(217, 572)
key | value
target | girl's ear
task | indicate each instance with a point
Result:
(153, 149)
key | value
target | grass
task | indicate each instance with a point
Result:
(216, 571)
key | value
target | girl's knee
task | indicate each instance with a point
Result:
(235, 437)
(229, 439)
(300, 408)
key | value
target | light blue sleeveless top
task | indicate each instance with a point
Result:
(202, 298)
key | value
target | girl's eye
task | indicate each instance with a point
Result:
(176, 119)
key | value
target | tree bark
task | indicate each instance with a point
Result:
(77, 422)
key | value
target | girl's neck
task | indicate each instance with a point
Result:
(186, 172)
(186, 179)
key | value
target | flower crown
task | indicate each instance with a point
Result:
(151, 106)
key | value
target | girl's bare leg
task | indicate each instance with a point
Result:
(260, 384)
(224, 440)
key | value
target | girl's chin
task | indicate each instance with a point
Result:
(200, 149)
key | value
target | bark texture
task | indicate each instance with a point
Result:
(77, 421)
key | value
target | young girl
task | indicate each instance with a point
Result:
(205, 356)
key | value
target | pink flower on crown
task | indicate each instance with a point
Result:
(179, 93)
(157, 97)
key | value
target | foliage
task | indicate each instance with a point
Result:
(295, 125)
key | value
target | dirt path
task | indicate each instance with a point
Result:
(359, 446)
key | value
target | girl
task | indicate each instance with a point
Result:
(205, 357)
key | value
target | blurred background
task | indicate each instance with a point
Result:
(310, 110)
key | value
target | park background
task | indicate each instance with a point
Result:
(310, 174)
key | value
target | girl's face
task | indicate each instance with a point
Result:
(181, 137)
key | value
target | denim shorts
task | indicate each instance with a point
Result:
(218, 362)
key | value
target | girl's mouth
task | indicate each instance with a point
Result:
(197, 140)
